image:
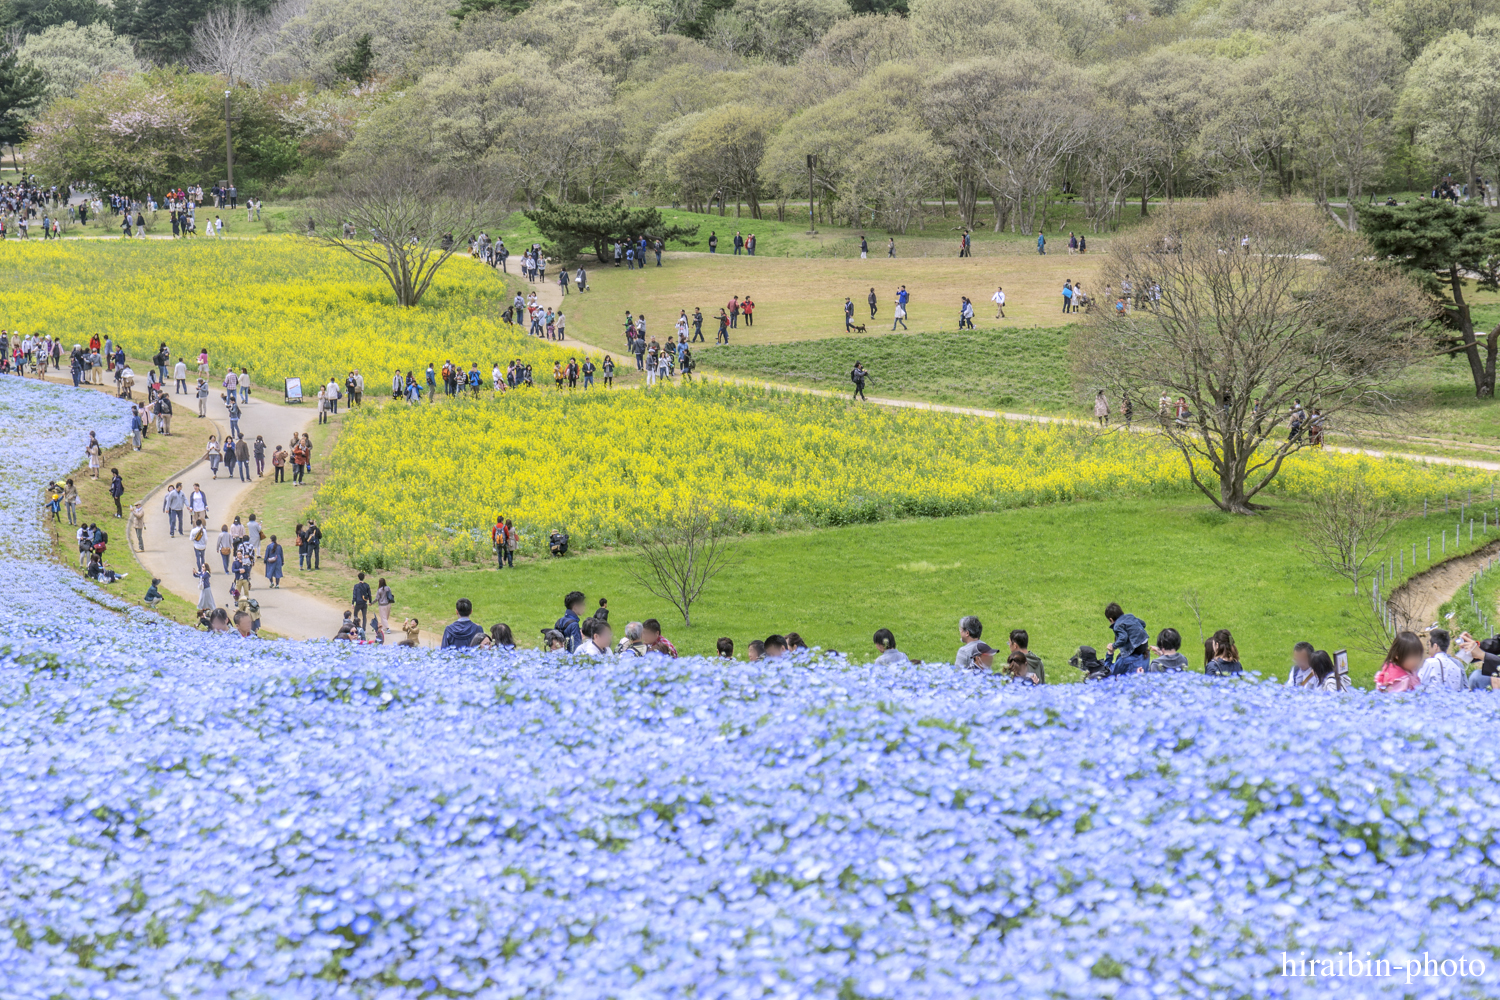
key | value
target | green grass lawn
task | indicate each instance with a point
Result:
(801, 299)
(936, 236)
(1050, 570)
(1018, 369)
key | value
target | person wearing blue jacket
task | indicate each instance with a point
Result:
(462, 633)
(568, 624)
(1130, 652)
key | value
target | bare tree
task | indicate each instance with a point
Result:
(1300, 318)
(1345, 526)
(403, 218)
(680, 554)
(225, 42)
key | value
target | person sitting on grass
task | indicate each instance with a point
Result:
(597, 639)
(1019, 641)
(462, 632)
(1168, 650)
(654, 640)
(969, 630)
(755, 650)
(725, 647)
(1128, 653)
(153, 594)
(557, 542)
(1223, 659)
(1399, 673)
(1019, 668)
(568, 624)
(775, 645)
(1440, 669)
(411, 629)
(101, 573)
(889, 655)
(1325, 671)
(1301, 674)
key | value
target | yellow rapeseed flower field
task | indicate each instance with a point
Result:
(278, 307)
(420, 486)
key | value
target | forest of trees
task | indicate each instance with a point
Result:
(992, 106)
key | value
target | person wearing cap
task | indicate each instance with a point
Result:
(983, 659)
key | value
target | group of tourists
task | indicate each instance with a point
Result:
(742, 245)
(659, 361)
(632, 252)
(902, 297)
(538, 320)
(1128, 650)
(26, 204)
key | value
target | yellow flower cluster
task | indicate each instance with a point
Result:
(276, 306)
(421, 485)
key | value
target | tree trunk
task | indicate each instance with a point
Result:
(1482, 369)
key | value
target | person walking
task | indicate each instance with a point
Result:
(117, 490)
(999, 299)
(900, 315)
(314, 544)
(872, 301)
(198, 535)
(242, 456)
(225, 545)
(848, 314)
(1041, 243)
(206, 600)
(361, 600)
(857, 375)
(137, 524)
(864, 247)
(384, 599)
(1101, 409)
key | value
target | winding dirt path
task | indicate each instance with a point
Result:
(1420, 597)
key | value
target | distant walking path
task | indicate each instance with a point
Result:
(548, 294)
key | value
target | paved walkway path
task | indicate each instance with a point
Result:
(292, 610)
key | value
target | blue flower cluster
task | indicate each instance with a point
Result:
(183, 815)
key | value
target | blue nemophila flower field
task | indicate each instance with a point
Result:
(181, 816)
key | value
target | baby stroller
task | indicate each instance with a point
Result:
(1087, 660)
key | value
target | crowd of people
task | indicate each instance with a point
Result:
(1413, 662)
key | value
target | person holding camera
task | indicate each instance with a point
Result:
(1486, 653)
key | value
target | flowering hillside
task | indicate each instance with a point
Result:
(181, 816)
